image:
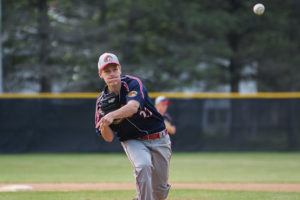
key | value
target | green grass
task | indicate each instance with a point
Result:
(174, 194)
(236, 167)
(185, 167)
(65, 168)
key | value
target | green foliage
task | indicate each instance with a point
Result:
(171, 45)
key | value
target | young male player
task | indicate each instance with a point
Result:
(139, 127)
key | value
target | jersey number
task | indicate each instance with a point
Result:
(145, 113)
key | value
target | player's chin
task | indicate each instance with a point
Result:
(113, 81)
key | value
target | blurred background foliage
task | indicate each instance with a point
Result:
(172, 45)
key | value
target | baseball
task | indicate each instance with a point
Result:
(259, 9)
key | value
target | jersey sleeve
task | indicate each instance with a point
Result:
(136, 92)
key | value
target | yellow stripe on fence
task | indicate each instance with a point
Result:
(259, 95)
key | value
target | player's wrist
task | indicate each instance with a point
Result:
(112, 115)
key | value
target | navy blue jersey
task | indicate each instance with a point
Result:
(146, 121)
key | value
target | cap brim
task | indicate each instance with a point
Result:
(103, 66)
(166, 102)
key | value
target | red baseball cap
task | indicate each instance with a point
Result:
(162, 100)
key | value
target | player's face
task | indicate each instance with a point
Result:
(162, 108)
(111, 74)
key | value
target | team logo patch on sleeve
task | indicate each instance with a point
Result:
(132, 94)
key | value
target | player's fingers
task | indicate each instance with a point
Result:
(107, 119)
(101, 123)
(104, 122)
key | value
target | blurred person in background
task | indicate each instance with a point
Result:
(161, 104)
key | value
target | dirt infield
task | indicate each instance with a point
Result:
(279, 187)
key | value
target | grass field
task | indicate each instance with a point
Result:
(128, 195)
(185, 167)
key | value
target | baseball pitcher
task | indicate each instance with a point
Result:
(124, 109)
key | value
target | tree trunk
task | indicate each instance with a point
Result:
(44, 41)
(104, 35)
(103, 10)
(234, 70)
(130, 33)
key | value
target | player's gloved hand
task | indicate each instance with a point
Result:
(110, 102)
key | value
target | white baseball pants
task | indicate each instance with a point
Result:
(151, 161)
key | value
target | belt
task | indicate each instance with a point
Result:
(154, 136)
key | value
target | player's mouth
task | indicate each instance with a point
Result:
(113, 80)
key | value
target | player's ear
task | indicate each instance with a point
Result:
(100, 74)
(120, 68)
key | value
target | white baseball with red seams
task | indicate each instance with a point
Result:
(259, 9)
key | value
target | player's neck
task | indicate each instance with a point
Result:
(115, 88)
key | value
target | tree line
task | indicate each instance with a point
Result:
(172, 45)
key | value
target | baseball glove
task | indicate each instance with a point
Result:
(109, 103)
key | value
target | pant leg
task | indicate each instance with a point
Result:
(161, 153)
(140, 157)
